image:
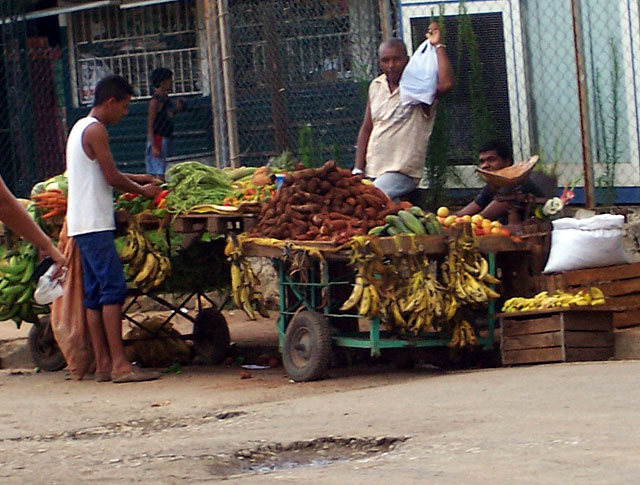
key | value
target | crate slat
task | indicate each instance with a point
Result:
(533, 341)
(594, 275)
(533, 356)
(588, 339)
(627, 301)
(616, 288)
(589, 354)
(626, 319)
(587, 321)
(513, 327)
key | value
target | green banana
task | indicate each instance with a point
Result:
(10, 293)
(391, 230)
(26, 295)
(28, 272)
(16, 266)
(11, 312)
(397, 223)
(416, 211)
(413, 224)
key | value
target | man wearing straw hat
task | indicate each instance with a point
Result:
(495, 155)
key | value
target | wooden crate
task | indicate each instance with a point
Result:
(558, 335)
(620, 285)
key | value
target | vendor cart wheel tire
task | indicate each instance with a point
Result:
(211, 338)
(43, 347)
(307, 347)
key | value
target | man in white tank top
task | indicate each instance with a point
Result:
(93, 174)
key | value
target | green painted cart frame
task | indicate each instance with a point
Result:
(375, 339)
(313, 302)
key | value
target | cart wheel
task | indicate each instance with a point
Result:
(44, 350)
(307, 347)
(211, 336)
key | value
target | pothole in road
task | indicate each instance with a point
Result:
(317, 452)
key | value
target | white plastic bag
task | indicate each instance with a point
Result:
(586, 243)
(419, 81)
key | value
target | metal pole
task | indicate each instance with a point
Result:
(587, 161)
(385, 18)
(229, 82)
(215, 79)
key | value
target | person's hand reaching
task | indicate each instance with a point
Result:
(151, 190)
(58, 259)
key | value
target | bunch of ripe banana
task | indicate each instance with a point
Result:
(463, 335)
(559, 299)
(244, 282)
(466, 273)
(412, 221)
(148, 267)
(16, 286)
(365, 295)
(423, 301)
(370, 277)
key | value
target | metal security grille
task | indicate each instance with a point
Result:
(133, 42)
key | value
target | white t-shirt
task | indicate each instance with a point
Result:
(90, 200)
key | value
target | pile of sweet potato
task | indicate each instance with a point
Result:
(324, 204)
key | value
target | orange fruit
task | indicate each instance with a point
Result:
(449, 220)
(505, 232)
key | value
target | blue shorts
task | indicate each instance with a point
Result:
(102, 273)
(395, 184)
(156, 165)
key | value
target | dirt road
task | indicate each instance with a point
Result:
(543, 424)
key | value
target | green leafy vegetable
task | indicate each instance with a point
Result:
(193, 183)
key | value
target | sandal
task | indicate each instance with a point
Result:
(102, 376)
(135, 376)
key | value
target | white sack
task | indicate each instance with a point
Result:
(586, 243)
(419, 81)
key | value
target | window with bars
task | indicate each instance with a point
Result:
(132, 43)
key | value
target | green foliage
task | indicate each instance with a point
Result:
(438, 167)
(608, 127)
(481, 120)
(312, 154)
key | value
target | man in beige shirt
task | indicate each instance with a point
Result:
(392, 142)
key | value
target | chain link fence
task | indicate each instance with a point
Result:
(302, 70)
(556, 78)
